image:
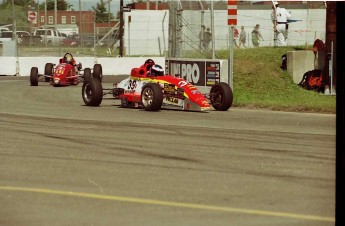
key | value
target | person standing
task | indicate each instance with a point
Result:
(256, 36)
(201, 37)
(236, 33)
(243, 37)
(207, 38)
(279, 18)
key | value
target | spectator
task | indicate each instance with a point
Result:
(243, 36)
(280, 25)
(236, 37)
(256, 36)
(207, 38)
(201, 37)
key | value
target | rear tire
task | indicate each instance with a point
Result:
(34, 76)
(97, 71)
(92, 92)
(87, 74)
(221, 96)
(152, 97)
(48, 70)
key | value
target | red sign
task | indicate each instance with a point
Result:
(32, 16)
(232, 12)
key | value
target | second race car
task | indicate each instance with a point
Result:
(67, 72)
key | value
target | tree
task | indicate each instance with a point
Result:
(61, 5)
(101, 13)
(20, 2)
(21, 17)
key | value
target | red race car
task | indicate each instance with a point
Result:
(149, 88)
(67, 72)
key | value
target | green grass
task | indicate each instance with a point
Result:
(260, 83)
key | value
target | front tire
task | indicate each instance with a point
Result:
(97, 71)
(152, 97)
(34, 76)
(221, 96)
(92, 92)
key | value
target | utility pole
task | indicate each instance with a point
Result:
(80, 20)
(121, 29)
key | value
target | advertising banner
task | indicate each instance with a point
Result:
(198, 72)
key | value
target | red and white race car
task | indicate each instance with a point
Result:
(67, 72)
(148, 87)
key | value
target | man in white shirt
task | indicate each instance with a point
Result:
(279, 18)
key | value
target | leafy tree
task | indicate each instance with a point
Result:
(101, 12)
(6, 16)
(61, 5)
(20, 2)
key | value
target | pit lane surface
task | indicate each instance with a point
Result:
(63, 163)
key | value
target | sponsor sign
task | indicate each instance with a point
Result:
(212, 73)
(199, 73)
(192, 71)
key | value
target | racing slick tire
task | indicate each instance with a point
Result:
(221, 96)
(97, 71)
(34, 76)
(48, 70)
(92, 92)
(87, 74)
(152, 97)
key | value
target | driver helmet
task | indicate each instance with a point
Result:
(156, 70)
(148, 64)
(68, 58)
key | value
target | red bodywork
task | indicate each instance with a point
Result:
(172, 88)
(64, 74)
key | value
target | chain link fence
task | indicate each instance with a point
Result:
(177, 32)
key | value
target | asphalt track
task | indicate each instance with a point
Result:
(62, 163)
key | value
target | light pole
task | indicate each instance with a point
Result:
(14, 22)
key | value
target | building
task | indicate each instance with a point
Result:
(80, 22)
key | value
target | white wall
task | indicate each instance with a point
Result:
(146, 27)
(110, 66)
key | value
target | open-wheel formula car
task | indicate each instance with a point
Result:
(67, 72)
(147, 87)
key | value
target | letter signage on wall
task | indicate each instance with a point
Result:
(197, 72)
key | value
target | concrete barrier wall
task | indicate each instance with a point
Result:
(212, 70)
(8, 66)
(111, 66)
(299, 62)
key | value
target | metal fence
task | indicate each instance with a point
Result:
(155, 33)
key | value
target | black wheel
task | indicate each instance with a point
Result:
(87, 74)
(92, 92)
(221, 96)
(48, 70)
(97, 71)
(152, 97)
(34, 76)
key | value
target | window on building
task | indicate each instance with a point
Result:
(72, 19)
(50, 20)
(42, 19)
(63, 19)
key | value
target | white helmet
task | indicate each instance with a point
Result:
(156, 70)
